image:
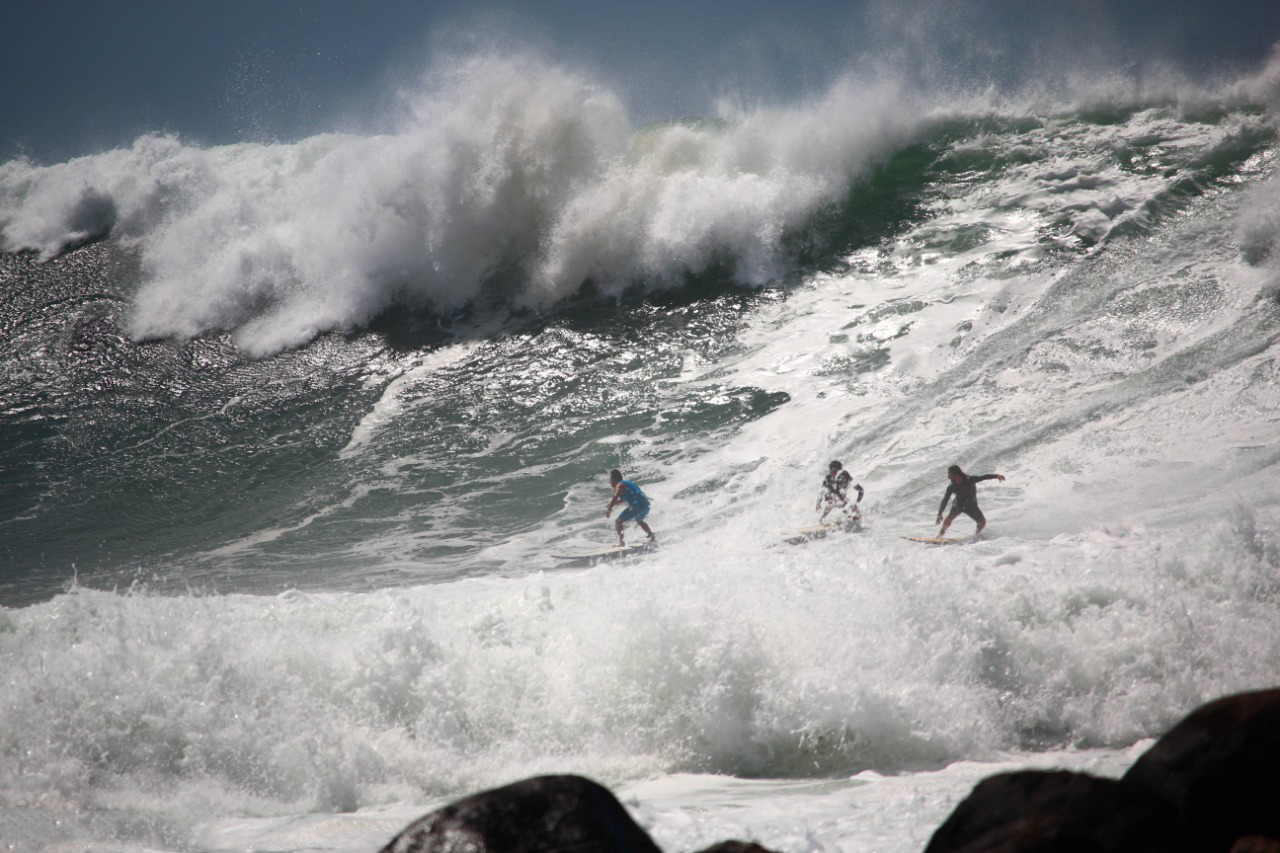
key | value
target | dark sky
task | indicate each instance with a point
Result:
(80, 76)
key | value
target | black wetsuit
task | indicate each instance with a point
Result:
(966, 497)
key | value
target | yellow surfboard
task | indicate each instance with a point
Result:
(938, 540)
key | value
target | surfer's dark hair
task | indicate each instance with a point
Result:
(835, 463)
(955, 469)
(615, 473)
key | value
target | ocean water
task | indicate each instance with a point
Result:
(290, 432)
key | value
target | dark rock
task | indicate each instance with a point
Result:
(1055, 812)
(538, 815)
(1211, 784)
(1221, 768)
(1256, 844)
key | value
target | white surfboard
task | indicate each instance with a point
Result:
(601, 555)
(819, 531)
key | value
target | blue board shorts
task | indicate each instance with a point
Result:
(635, 512)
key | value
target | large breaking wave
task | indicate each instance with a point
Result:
(510, 181)
(517, 181)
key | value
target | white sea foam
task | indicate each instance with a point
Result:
(851, 655)
(126, 192)
(1259, 224)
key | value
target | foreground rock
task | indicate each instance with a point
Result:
(546, 813)
(1057, 811)
(1211, 784)
(1221, 768)
(539, 815)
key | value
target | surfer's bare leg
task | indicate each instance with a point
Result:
(618, 524)
(645, 528)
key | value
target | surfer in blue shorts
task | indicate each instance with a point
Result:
(965, 488)
(625, 491)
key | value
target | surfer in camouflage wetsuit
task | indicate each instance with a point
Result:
(835, 491)
(965, 488)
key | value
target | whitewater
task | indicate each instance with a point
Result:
(289, 432)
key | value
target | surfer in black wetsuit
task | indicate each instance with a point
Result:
(965, 488)
(835, 492)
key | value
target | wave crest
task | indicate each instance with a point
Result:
(513, 181)
(515, 172)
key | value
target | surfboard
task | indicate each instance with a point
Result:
(601, 555)
(938, 540)
(819, 531)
